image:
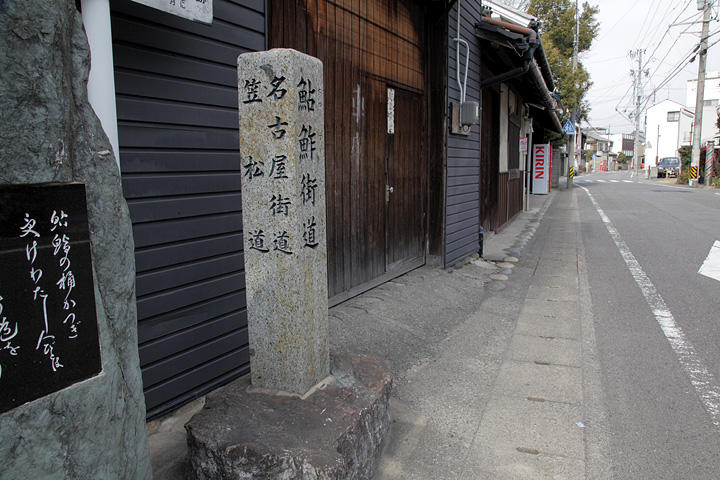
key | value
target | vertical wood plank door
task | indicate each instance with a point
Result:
(405, 183)
(489, 159)
(366, 46)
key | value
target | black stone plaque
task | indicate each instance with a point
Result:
(48, 326)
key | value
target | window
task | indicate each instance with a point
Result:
(673, 116)
(710, 103)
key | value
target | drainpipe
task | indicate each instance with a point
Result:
(101, 81)
(462, 85)
(527, 56)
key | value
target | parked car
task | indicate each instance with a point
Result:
(668, 167)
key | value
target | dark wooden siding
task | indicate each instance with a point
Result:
(365, 47)
(514, 177)
(502, 201)
(490, 159)
(176, 85)
(516, 187)
(462, 207)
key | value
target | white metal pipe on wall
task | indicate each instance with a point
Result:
(462, 84)
(101, 83)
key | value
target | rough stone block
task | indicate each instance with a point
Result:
(336, 432)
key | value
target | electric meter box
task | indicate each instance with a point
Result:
(469, 113)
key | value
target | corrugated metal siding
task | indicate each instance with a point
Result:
(177, 99)
(463, 152)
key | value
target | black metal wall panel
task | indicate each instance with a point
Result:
(462, 220)
(176, 86)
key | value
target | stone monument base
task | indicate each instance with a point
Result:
(336, 432)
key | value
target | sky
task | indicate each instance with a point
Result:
(666, 31)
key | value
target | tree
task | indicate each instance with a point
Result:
(685, 157)
(557, 30)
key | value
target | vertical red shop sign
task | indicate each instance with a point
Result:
(541, 169)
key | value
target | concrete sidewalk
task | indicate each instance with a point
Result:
(486, 358)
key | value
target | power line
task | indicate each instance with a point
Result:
(657, 7)
(675, 72)
(603, 61)
(681, 10)
(652, 54)
(662, 37)
(618, 22)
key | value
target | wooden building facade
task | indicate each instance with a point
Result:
(487, 175)
(378, 149)
(401, 189)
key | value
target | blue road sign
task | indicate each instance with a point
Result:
(568, 128)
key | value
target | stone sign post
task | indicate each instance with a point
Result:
(337, 429)
(283, 193)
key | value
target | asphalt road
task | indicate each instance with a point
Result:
(657, 326)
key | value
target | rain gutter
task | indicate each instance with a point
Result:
(532, 42)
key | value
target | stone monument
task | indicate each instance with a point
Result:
(282, 149)
(295, 420)
(71, 399)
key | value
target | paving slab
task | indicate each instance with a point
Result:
(548, 326)
(554, 383)
(567, 281)
(554, 351)
(499, 464)
(547, 427)
(550, 308)
(554, 292)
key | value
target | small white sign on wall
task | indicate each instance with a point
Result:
(391, 111)
(196, 10)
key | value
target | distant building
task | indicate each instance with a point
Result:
(668, 127)
(598, 142)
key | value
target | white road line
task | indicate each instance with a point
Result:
(711, 265)
(602, 181)
(694, 366)
(628, 181)
(615, 181)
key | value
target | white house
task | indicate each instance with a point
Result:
(668, 126)
(616, 144)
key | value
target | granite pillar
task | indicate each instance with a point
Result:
(283, 193)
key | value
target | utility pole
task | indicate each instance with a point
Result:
(638, 97)
(574, 113)
(607, 162)
(706, 6)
